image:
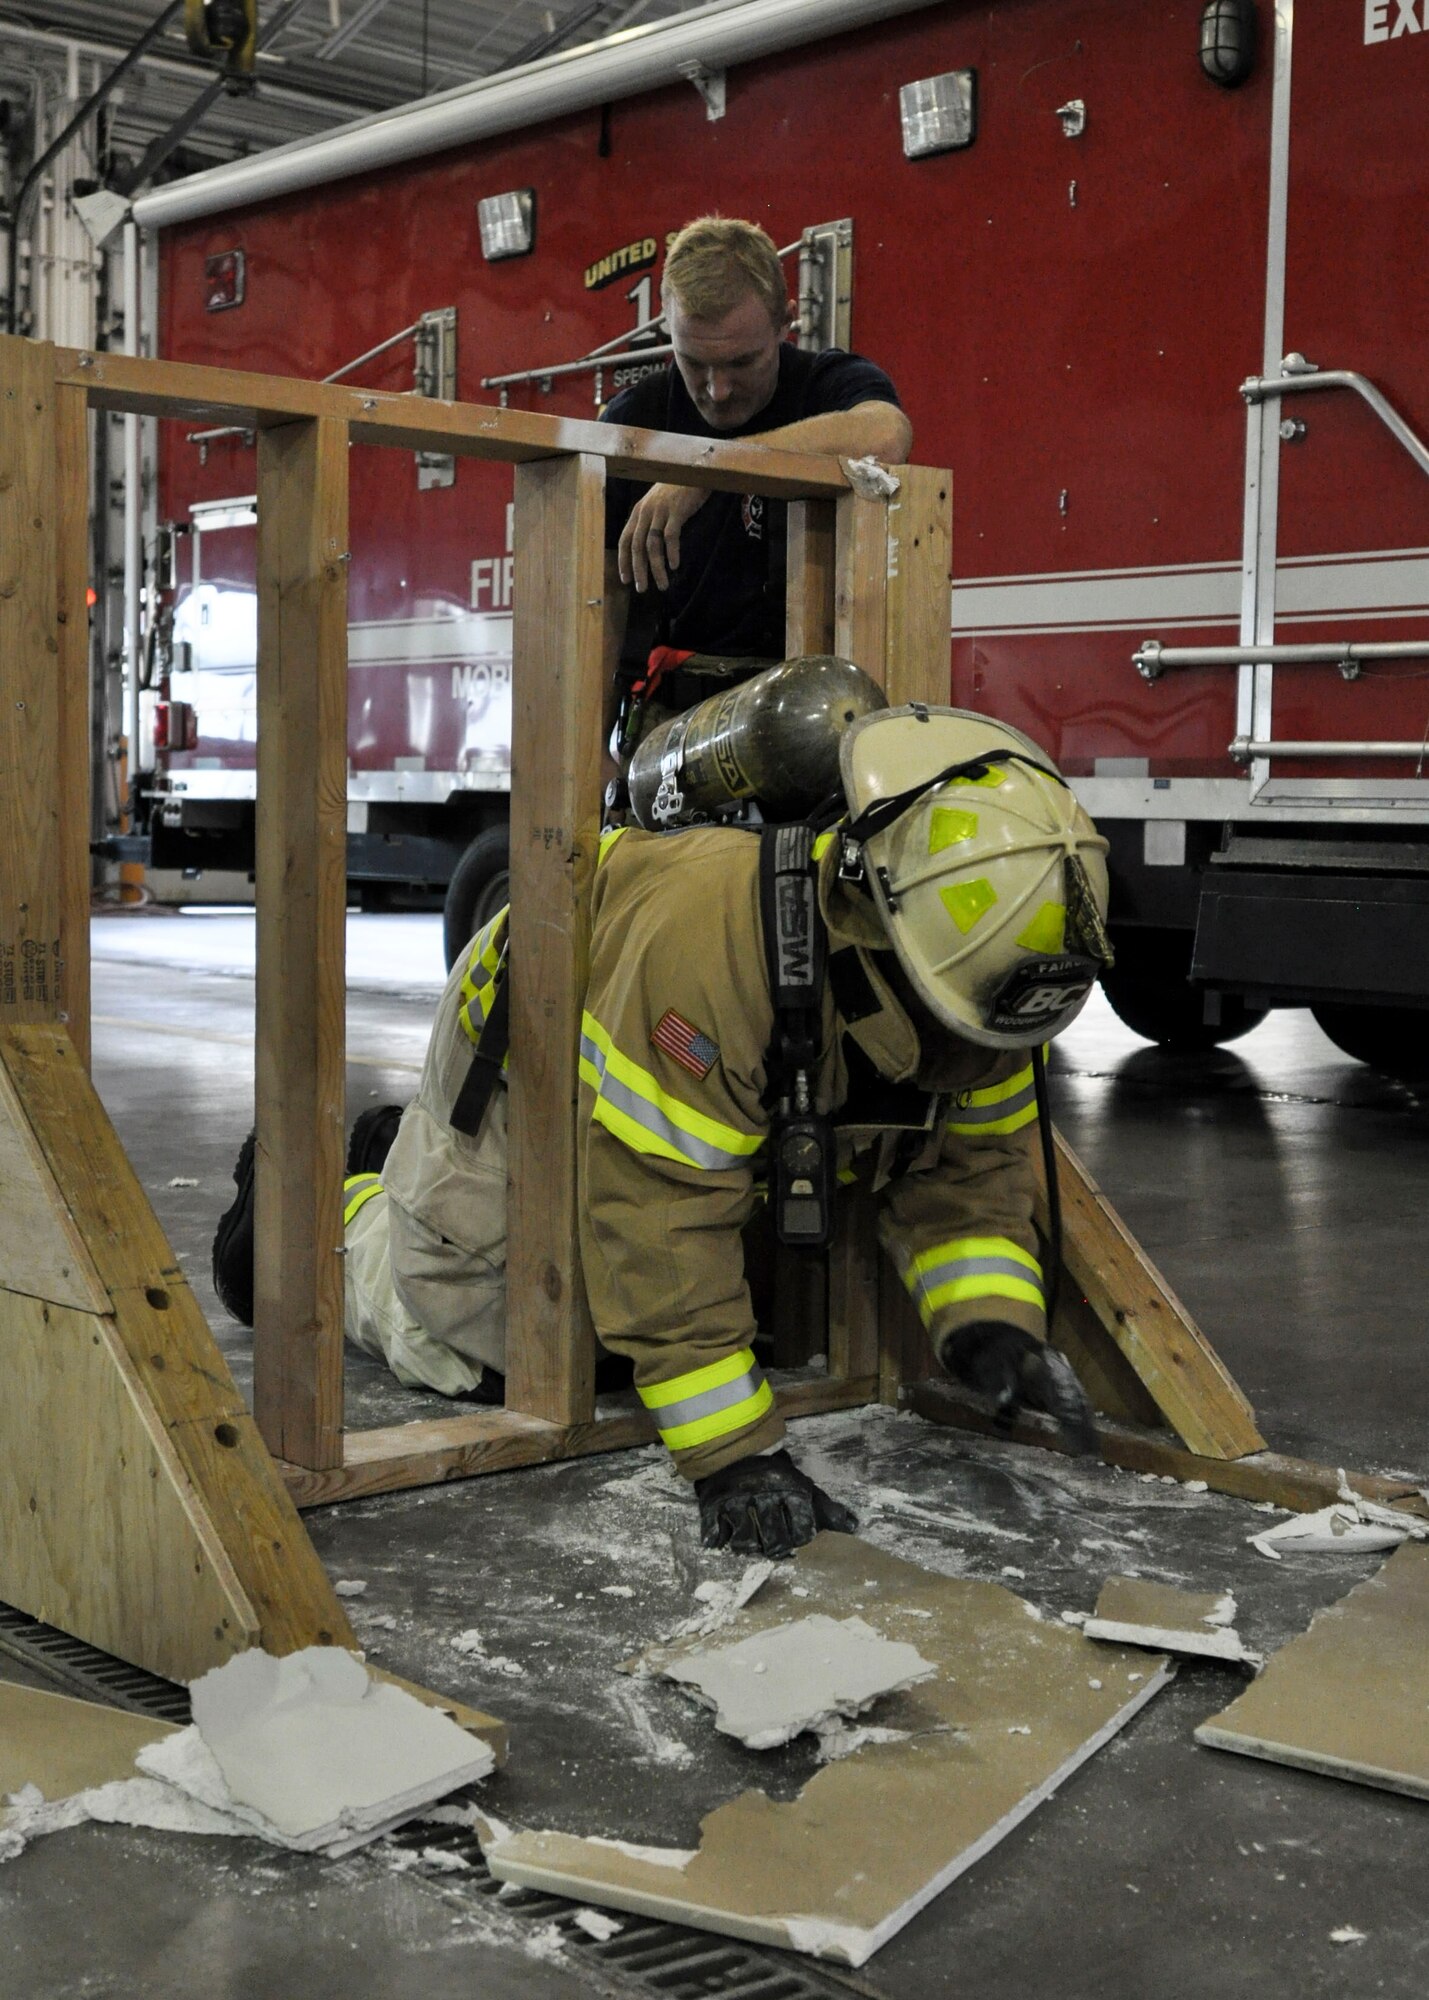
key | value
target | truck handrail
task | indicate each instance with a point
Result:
(1243, 748)
(1299, 376)
(1152, 659)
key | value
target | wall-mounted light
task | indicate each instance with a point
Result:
(939, 113)
(508, 224)
(1228, 38)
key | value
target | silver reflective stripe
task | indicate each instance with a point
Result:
(699, 1152)
(993, 1114)
(976, 1267)
(669, 1416)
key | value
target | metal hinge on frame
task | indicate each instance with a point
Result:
(826, 285)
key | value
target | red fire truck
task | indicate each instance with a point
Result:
(1151, 279)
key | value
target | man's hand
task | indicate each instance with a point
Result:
(650, 544)
(766, 1507)
(1012, 1368)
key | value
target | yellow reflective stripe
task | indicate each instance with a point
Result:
(486, 956)
(997, 1108)
(973, 1267)
(738, 1417)
(607, 841)
(710, 1402)
(632, 1105)
(713, 1375)
(823, 842)
(357, 1190)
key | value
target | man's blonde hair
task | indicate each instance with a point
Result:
(716, 260)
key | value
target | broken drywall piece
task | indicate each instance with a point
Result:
(1339, 1529)
(350, 1586)
(873, 1837)
(1347, 1934)
(1132, 1612)
(719, 1602)
(1350, 1696)
(312, 1751)
(773, 1685)
(63, 1746)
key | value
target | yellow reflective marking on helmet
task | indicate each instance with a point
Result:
(965, 902)
(948, 827)
(1047, 931)
(993, 776)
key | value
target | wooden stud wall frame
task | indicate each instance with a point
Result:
(867, 577)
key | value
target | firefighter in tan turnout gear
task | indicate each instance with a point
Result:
(770, 1013)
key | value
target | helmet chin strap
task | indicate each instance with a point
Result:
(883, 812)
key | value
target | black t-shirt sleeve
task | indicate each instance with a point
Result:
(841, 381)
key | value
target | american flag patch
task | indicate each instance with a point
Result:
(685, 1044)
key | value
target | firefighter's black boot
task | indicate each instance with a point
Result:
(370, 1140)
(233, 1242)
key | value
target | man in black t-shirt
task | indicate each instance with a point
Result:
(708, 568)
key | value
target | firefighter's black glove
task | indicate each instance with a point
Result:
(1014, 1369)
(766, 1507)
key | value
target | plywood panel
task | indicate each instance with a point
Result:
(41, 1251)
(101, 1531)
(558, 653)
(301, 897)
(172, 1355)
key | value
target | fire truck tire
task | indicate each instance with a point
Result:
(1394, 1040)
(479, 887)
(1150, 992)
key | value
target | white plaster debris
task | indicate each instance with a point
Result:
(1339, 1529)
(1347, 1934)
(596, 1924)
(1224, 1613)
(144, 1801)
(472, 1646)
(720, 1601)
(1019, 1729)
(1204, 1642)
(658, 1857)
(837, 1739)
(182, 1180)
(1075, 1617)
(310, 1752)
(1196, 1485)
(350, 1586)
(1009, 1569)
(381, 1621)
(616, 1590)
(869, 479)
(771, 1686)
(444, 1862)
(1097, 1684)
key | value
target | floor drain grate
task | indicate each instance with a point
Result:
(649, 1956)
(83, 1670)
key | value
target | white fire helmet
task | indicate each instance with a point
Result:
(989, 876)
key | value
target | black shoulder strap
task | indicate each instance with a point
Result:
(487, 1059)
(795, 950)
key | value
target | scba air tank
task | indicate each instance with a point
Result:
(773, 740)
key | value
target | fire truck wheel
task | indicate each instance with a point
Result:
(1150, 991)
(479, 887)
(1394, 1040)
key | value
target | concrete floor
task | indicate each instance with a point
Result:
(1275, 1182)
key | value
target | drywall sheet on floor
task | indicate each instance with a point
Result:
(1137, 1613)
(1349, 1697)
(62, 1746)
(1016, 1704)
